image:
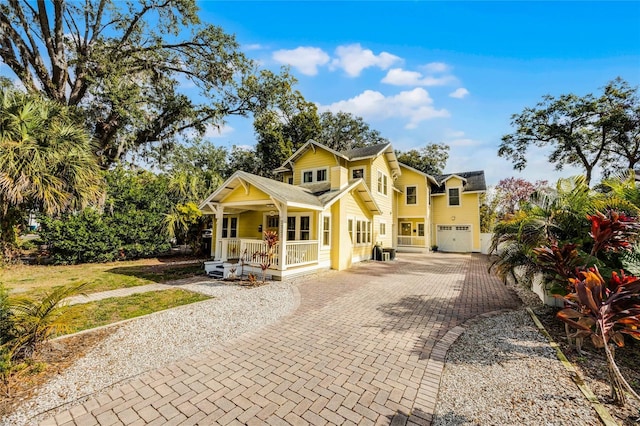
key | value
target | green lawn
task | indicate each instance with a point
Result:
(31, 279)
(108, 311)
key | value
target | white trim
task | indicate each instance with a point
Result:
(364, 172)
(322, 229)
(385, 183)
(314, 175)
(410, 229)
(459, 196)
(406, 194)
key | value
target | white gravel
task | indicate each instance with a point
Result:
(502, 371)
(156, 340)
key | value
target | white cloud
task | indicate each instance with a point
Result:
(304, 58)
(463, 142)
(400, 77)
(218, 131)
(254, 46)
(353, 59)
(436, 67)
(459, 93)
(416, 105)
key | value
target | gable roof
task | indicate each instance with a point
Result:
(310, 144)
(362, 153)
(430, 178)
(316, 196)
(282, 192)
(472, 181)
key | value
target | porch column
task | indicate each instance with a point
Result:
(220, 254)
(282, 247)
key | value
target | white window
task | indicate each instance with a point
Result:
(358, 232)
(229, 227)
(350, 229)
(326, 230)
(291, 228)
(305, 228)
(298, 228)
(314, 175)
(368, 232)
(454, 196)
(307, 176)
(383, 229)
(382, 183)
(421, 230)
(357, 173)
(412, 195)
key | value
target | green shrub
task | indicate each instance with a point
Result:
(129, 226)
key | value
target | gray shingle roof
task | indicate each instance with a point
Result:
(365, 151)
(475, 181)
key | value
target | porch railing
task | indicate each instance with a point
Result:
(301, 252)
(410, 240)
(297, 252)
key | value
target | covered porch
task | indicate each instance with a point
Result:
(243, 209)
(412, 234)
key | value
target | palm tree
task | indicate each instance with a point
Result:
(547, 218)
(46, 161)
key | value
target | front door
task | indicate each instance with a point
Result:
(405, 229)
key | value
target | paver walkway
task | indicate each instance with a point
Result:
(359, 349)
(128, 291)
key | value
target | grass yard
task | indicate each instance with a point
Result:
(31, 279)
(107, 311)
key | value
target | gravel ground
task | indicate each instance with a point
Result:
(502, 371)
(157, 340)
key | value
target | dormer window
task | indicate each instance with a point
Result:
(314, 175)
(454, 196)
(357, 173)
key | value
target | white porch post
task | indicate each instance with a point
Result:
(221, 254)
(282, 211)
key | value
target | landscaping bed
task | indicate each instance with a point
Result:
(593, 366)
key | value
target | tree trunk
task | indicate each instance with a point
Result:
(617, 388)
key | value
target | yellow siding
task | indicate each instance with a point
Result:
(411, 178)
(386, 203)
(343, 250)
(312, 160)
(248, 224)
(240, 195)
(366, 165)
(468, 213)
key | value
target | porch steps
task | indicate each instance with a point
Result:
(214, 269)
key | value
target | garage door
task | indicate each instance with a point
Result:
(454, 238)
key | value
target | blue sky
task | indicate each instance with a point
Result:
(450, 72)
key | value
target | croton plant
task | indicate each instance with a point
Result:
(603, 309)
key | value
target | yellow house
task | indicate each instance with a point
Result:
(331, 208)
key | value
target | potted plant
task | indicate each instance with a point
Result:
(434, 247)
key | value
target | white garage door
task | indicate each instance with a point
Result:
(454, 238)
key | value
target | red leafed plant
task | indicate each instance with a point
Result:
(603, 309)
(265, 257)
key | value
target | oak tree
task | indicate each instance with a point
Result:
(140, 71)
(587, 131)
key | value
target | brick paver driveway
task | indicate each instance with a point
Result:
(359, 349)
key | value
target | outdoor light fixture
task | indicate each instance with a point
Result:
(453, 218)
